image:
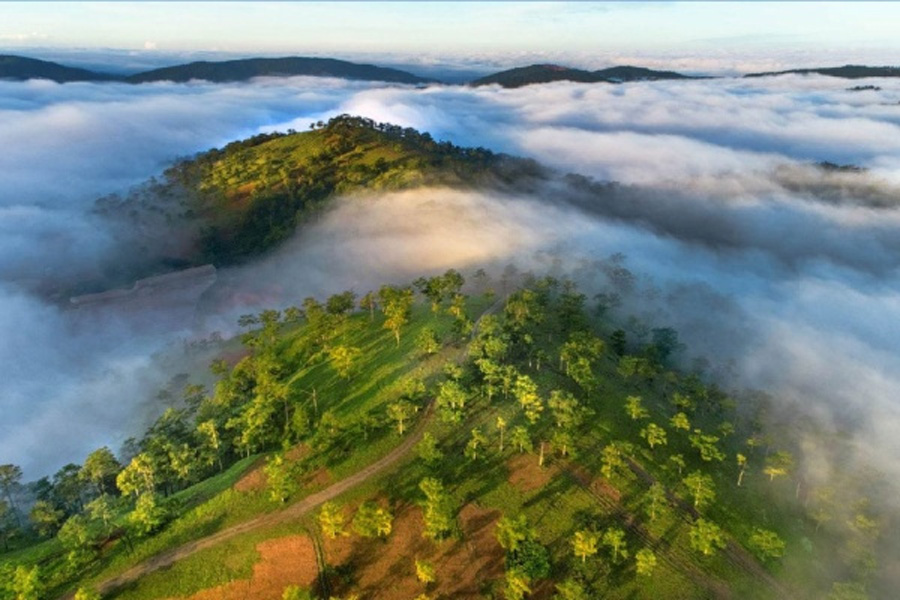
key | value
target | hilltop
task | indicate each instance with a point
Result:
(545, 73)
(245, 69)
(845, 72)
(22, 68)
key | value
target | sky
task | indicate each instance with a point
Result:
(710, 35)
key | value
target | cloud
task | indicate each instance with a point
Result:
(754, 254)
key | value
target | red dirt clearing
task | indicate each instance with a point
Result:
(283, 561)
(525, 474)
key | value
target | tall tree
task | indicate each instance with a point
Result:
(706, 537)
(701, 488)
(10, 479)
(100, 468)
(585, 543)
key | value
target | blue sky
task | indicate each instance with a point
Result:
(843, 31)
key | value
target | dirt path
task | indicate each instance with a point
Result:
(290, 513)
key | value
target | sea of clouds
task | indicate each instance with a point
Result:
(755, 255)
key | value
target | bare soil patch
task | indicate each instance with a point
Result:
(525, 474)
(283, 561)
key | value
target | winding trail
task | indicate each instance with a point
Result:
(291, 513)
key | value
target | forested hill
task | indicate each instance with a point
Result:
(522, 76)
(245, 198)
(21, 68)
(244, 69)
(845, 72)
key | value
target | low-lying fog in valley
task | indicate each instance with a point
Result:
(782, 274)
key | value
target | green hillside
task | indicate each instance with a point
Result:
(453, 439)
(22, 68)
(245, 198)
(845, 72)
(544, 73)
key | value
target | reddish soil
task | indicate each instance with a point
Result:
(282, 562)
(525, 474)
(254, 480)
(385, 569)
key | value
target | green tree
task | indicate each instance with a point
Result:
(280, 480)
(512, 532)
(585, 543)
(476, 441)
(678, 461)
(645, 562)
(654, 435)
(344, 359)
(425, 571)
(742, 467)
(26, 584)
(612, 461)
(778, 465)
(400, 411)
(102, 510)
(427, 342)
(10, 478)
(210, 444)
(570, 590)
(517, 585)
(701, 488)
(86, 594)
(635, 409)
(527, 394)
(45, 517)
(501, 427)
(706, 537)
(372, 520)
(439, 510)
(368, 302)
(520, 438)
(75, 537)
(396, 304)
(427, 449)
(295, 592)
(766, 544)
(614, 539)
(565, 408)
(706, 445)
(331, 520)
(147, 515)
(655, 501)
(139, 477)
(451, 401)
(680, 421)
(100, 468)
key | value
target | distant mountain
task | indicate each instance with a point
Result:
(845, 72)
(21, 68)
(244, 69)
(532, 74)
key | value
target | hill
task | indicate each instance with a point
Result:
(227, 204)
(21, 68)
(845, 72)
(441, 439)
(244, 69)
(546, 73)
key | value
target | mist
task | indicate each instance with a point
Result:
(782, 270)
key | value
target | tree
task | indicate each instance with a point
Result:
(614, 539)
(295, 592)
(706, 444)
(438, 508)
(706, 537)
(139, 477)
(76, 538)
(562, 442)
(520, 438)
(147, 515)
(848, 590)
(10, 476)
(527, 395)
(280, 479)
(585, 543)
(778, 465)
(427, 342)
(331, 520)
(678, 461)
(612, 460)
(45, 517)
(400, 412)
(100, 468)
(424, 571)
(680, 421)
(565, 408)
(511, 532)
(369, 303)
(395, 304)
(766, 544)
(501, 427)
(570, 589)
(343, 359)
(451, 401)
(701, 488)
(101, 509)
(645, 562)
(210, 443)
(26, 584)
(742, 466)
(86, 594)
(654, 435)
(427, 449)
(517, 585)
(372, 520)
(655, 501)
(476, 440)
(635, 409)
